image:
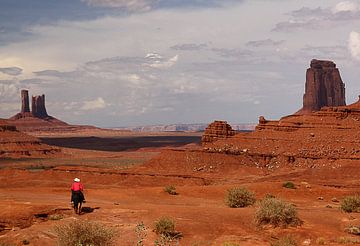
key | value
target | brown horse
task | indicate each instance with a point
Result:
(78, 199)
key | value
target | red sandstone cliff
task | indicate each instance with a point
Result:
(323, 87)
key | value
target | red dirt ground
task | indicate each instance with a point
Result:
(125, 188)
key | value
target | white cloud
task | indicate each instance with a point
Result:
(132, 5)
(98, 103)
(165, 64)
(345, 6)
(354, 44)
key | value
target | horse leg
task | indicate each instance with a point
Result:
(75, 207)
(80, 206)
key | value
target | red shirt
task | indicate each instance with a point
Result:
(76, 186)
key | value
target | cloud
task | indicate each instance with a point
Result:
(8, 91)
(132, 5)
(264, 42)
(319, 18)
(98, 103)
(346, 6)
(189, 47)
(354, 45)
(161, 63)
(14, 71)
(147, 5)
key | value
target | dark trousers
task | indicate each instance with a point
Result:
(82, 197)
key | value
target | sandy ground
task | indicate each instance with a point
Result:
(126, 187)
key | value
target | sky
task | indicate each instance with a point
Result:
(113, 63)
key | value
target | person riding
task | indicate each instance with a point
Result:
(77, 187)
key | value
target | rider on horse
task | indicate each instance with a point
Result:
(77, 188)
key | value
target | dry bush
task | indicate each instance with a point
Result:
(239, 197)
(351, 204)
(165, 226)
(289, 185)
(170, 189)
(285, 241)
(84, 233)
(276, 212)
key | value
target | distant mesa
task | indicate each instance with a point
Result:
(37, 118)
(321, 134)
(217, 130)
(323, 88)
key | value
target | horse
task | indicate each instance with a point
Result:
(78, 199)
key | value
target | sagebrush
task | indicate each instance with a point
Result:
(276, 212)
(239, 197)
(351, 204)
(84, 233)
(285, 241)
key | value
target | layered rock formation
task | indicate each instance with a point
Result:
(324, 137)
(38, 107)
(217, 130)
(37, 118)
(323, 87)
(17, 144)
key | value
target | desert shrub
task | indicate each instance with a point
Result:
(348, 240)
(289, 185)
(84, 233)
(276, 212)
(285, 241)
(25, 242)
(350, 204)
(165, 226)
(56, 217)
(170, 189)
(140, 231)
(320, 241)
(229, 244)
(239, 197)
(353, 230)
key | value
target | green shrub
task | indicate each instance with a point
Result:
(289, 185)
(239, 197)
(276, 212)
(285, 241)
(165, 226)
(170, 189)
(350, 204)
(84, 233)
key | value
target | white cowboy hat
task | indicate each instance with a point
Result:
(76, 179)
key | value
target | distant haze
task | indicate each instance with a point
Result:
(159, 62)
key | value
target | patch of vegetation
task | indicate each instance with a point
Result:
(84, 233)
(351, 204)
(239, 197)
(320, 241)
(140, 231)
(289, 185)
(353, 230)
(170, 189)
(276, 212)
(269, 195)
(56, 216)
(165, 228)
(348, 240)
(229, 244)
(285, 241)
(25, 242)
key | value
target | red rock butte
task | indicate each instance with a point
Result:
(322, 132)
(323, 87)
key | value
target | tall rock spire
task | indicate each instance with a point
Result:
(25, 107)
(38, 106)
(324, 87)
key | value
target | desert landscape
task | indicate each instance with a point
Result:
(179, 122)
(309, 159)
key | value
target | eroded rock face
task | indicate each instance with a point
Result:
(217, 130)
(25, 107)
(38, 107)
(324, 87)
